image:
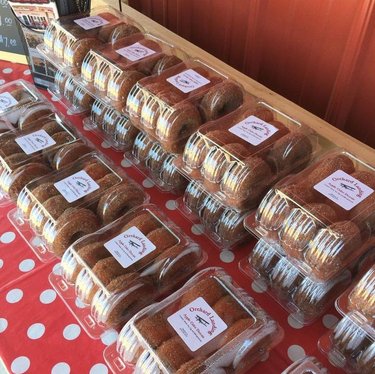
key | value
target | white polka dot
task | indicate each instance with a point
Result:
(296, 352)
(3, 324)
(2, 81)
(69, 112)
(47, 296)
(125, 163)
(294, 321)
(329, 321)
(20, 365)
(171, 204)
(99, 369)
(1, 263)
(61, 368)
(54, 98)
(109, 337)
(197, 229)
(7, 237)
(14, 296)
(259, 286)
(227, 256)
(106, 145)
(36, 241)
(148, 183)
(71, 331)
(27, 72)
(79, 303)
(36, 331)
(7, 70)
(57, 269)
(26, 265)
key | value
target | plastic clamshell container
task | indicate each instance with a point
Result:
(29, 153)
(302, 296)
(17, 98)
(321, 216)
(55, 210)
(110, 71)
(68, 39)
(222, 224)
(306, 365)
(351, 345)
(171, 106)
(151, 159)
(124, 267)
(112, 126)
(241, 155)
(233, 332)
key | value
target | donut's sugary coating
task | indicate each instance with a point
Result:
(165, 63)
(173, 353)
(195, 365)
(82, 99)
(33, 113)
(96, 169)
(236, 329)
(171, 176)
(210, 211)
(229, 310)
(142, 146)
(16, 160)
(50, 126)
(122, 30)
(60, 138)
(230, 227)
(122, 282)
(144, 222)
(70, 153)
(39, 195)
(75, 53)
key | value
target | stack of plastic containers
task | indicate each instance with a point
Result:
(233, 161)
(316, 228)
(55, 210)
(208, 326)
(124, 267)
(351, 345)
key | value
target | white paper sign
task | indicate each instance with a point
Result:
(343, 189)
(197, 324)
(187, 81)
(130, 246)
(89, 23)
(35, 141)
(7, 101)
(254, 130)
(76, 186)
(135, 52)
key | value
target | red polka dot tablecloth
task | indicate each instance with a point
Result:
(39, 335)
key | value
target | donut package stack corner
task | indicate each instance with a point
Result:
(224, 225)
(127, 265)
(351, 344)
(21, 102)
(306, 365)
(57, 209)
(210, 325)
(68, 39)
(29, 152)
(241, 155)
(171, 106)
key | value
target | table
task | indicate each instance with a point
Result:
(39, 335)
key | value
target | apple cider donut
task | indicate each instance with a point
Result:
(165, 63)
(33, 113)
(145, 223)
(69, 154)
(40, 194)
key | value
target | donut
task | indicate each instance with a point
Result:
(230, 227)
(208, 288)
(165, 63)
(302, 225)
(4, 127)
(76, 52)
(70, 226)
(69, 153)
(194, 196)
(285, 277)
(105, 32)
(210, 212)
(118, 200)
(49, 36)
(60, 138)
(174, 130)
(235, 329)
(263, 259)
(154, 329)
(69, 89)
(173, 353)
(366, 361)
(82, 99)
(332, 247)
(155, 159)
(122, 282)
(171, 177)
(144, 222)
(221, 100)
(229, 310)
(39, 195)
(141, 147)
(32, 114)
(10, 149)
(23, 175)
(328, 166)
(96, 169)
(51, 127)
(121, 31)
(17, 159)
(366, 177)
(60, 81)
(6, 138)
(195, 365)
(125, 133)
(102, 76)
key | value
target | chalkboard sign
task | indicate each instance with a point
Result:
(10, 38)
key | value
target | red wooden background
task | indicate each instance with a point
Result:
(317, 53)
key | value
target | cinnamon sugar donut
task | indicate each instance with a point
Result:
(32, 114)
(210, 212)
(263, 259)
(195, 365)
(118, 200)
(221, 100)
(165, 63)
(121, 31)
(125, 133)
(122, 282)
(229, 310)
(144, 222)
(82, 99)
(155, 159)
(69, 154)
(141, 147)
(40, 194)
(51, 127)
(236, 329)
(60, 138)
(75, 53)
(194, 196)
(70, 226)
(16, 159)
(171, 176)
(96, 169)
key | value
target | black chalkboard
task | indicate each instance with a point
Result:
(10, 39)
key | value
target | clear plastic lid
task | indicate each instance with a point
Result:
(29, 153)
(63, 206)
(306, 365)
(222, 224)
(17, 98)
(238, 157)
(173, 105)
(302, 296)
(210, 325)
(351, 345)
(68, 39)
(322, 215)
(129, 264)
(110, 71)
